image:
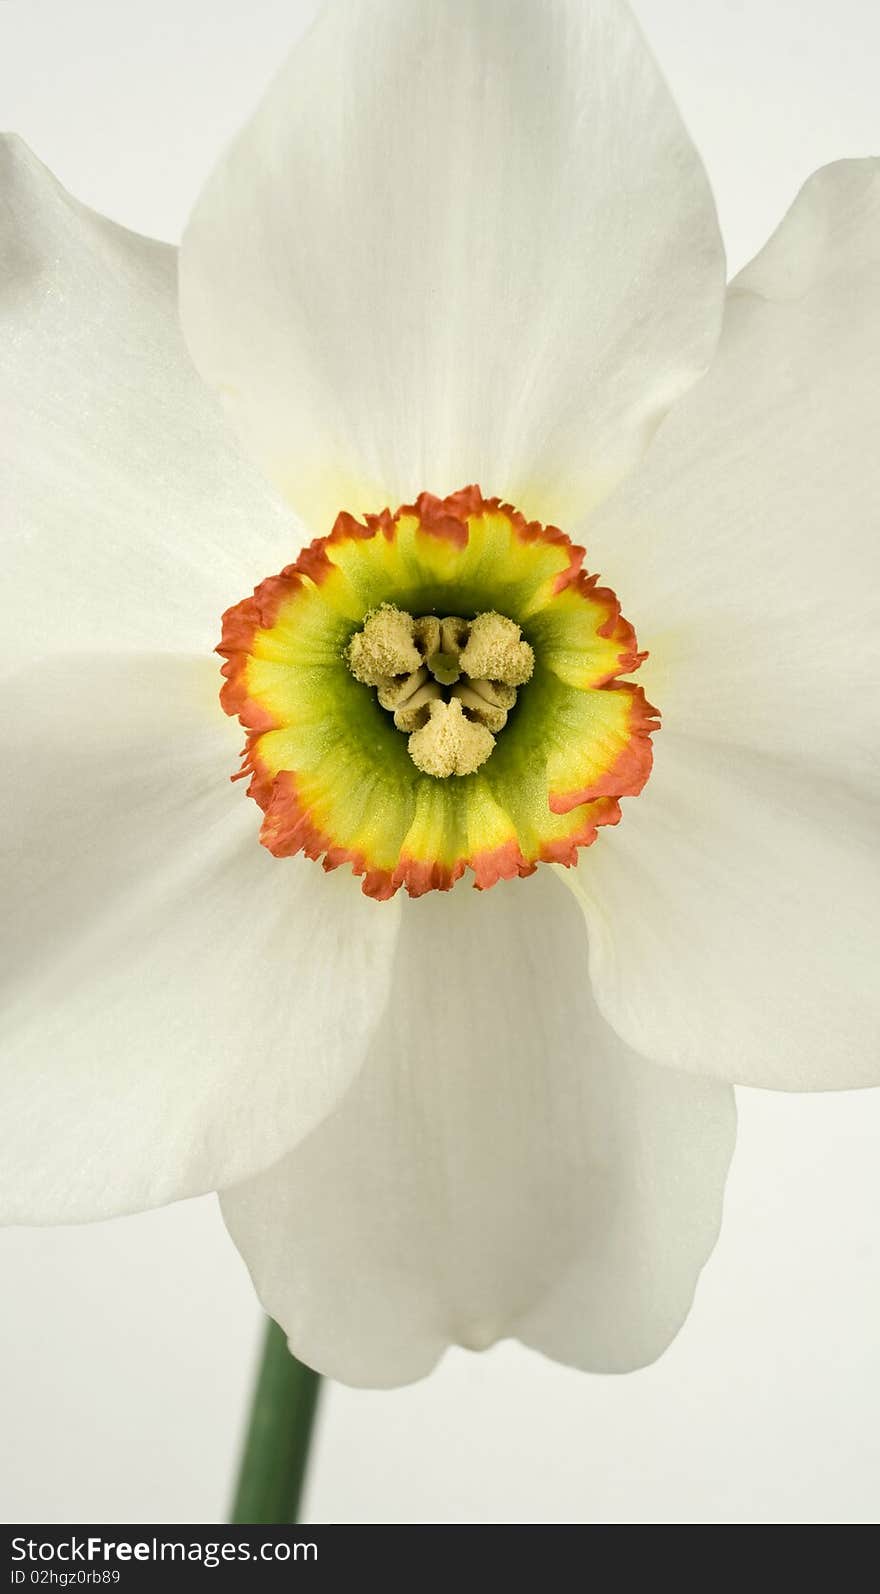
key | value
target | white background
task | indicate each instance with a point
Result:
(126, 1349)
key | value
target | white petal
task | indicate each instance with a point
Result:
(180, 1007)
(733, 921)
(745, 548)
(459, 242)
(733, 915)
(128, 518)
(502, 1166)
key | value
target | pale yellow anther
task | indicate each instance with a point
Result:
(426, 630)
(412, 715)
(384, 648)
(396, 690)
(495, 651)
(450, 744)
(487, 701)
(450, 683)
(408, 699)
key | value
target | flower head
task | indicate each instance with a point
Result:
(457, 244)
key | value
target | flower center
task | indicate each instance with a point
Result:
(449, 683)
(389, 656)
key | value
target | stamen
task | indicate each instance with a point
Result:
(487, 701)
(495, 651)
(450, 744)
(407, 697)
(450, 683)
(384, 648)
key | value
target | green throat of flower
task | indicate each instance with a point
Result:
(450, 683)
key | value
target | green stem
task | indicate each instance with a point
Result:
(276, 1450)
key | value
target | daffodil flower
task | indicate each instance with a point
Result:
(452, 310)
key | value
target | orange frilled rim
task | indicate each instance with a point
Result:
(326, 765)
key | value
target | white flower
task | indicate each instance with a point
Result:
(458, 243)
